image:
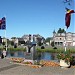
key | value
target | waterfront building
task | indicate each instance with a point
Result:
(60, 38)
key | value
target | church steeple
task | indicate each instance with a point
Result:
(54, 32)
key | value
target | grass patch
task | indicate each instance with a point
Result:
(52, 50)
(17, 49)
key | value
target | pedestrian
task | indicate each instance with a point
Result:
(4, 53)
(2, 56)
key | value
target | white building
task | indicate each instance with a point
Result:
(59, 39)
(26, 38)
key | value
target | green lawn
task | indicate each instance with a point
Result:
(47, 49)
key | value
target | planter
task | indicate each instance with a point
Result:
(64, 64)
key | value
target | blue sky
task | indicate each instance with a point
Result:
(34, 17)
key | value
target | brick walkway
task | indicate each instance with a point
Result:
(7, 68)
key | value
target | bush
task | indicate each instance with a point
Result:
(67, 56)
(52, 43)
(42, 47)
(15, 46)
(55, 48)
(17, 49)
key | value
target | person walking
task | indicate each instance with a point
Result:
(2, 56)
(4, 53)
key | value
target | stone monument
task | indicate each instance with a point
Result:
(31, 48)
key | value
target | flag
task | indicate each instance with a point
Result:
(68, 17)
(3, 23)
(0, 23)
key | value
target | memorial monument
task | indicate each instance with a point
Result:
(31, 48)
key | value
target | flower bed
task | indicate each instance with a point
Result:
(49, 63)
(22, 61)
(67, 56)
(18, 60)
(26, 62)
(35, 66)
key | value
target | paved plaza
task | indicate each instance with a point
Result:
(8, 68)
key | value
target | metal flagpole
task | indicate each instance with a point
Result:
(5, 36)
(65, 39)
(65, 36)
(5, 40)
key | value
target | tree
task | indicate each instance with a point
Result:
(48, 39)
(52, 43)
(12, 43)
(67, 2)
(39, 41)
(3, 43)
(13, 38)
(22, 42)
(61, 30)
(8, 42)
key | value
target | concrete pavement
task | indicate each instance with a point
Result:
(7, 68)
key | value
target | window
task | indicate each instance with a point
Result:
(60, 38)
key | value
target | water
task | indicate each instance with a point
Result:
(44, 56)
(22, 54)
(48, 56)
(16, 54)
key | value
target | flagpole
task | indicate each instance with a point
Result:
(65, 39)
(5, 35)
(5, 40)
